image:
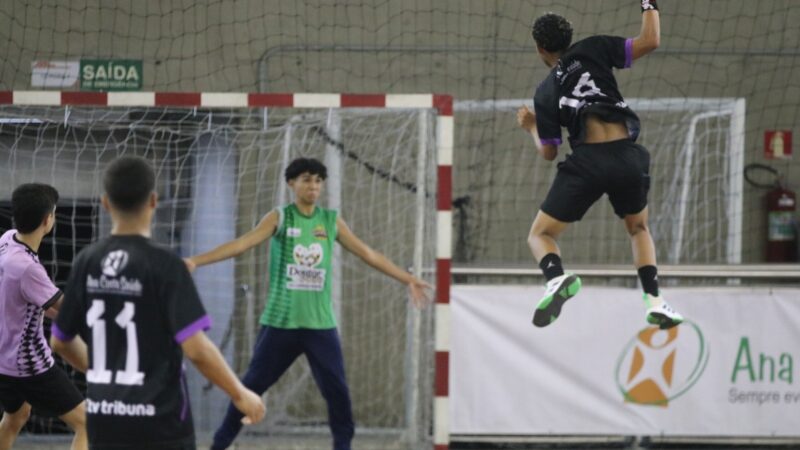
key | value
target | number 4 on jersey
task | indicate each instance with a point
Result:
(98, 373)
(584, 88)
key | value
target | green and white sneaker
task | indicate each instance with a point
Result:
(660, 313)
(557, 292)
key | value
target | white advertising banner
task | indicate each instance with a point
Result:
(54, 74)
(729, 370)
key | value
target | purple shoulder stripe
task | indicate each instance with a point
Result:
(552, 141)
(60, 335)
(628, 52)
(201, 324)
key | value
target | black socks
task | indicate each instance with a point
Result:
(551, 266)
(649, 278)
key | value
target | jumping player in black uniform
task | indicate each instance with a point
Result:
(135, 304)
(581, 94)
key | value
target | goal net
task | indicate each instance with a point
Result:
(695, 201)
(219, 172)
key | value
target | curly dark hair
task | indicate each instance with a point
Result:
(305, 165)
(552, 32)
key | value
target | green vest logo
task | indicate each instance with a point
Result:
(658, 366)
(309, 256)
(304, 276)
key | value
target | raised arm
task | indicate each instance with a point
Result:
(208, 360)
(375, 259)
(262, 231)
(650, 36)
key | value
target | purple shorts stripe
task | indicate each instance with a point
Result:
(551, 141)
(628, 52)
(184, 396)
(201, 324)
(60, 335)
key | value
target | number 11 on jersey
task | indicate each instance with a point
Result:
(98, 373)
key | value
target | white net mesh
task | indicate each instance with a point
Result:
(695, 199)
(218, 173)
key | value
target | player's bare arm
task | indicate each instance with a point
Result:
(263, 231)
(351, 242)
(208, 360)
(649, 39)
(527, 121)
(52, 312)
(650, 36)
(73, 351)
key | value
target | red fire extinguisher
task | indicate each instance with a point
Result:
(782, 234)
(781, 213)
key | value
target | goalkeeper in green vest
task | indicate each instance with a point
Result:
(298, 318)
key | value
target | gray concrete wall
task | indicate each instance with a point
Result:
(709, 48)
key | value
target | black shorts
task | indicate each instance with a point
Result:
(50, 393)
(620, 169)
(185, 446)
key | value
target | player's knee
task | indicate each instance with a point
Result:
(538, 232)
(635, 228)
(531, 238)
(18, 419)
(535, 238)
(76, 419)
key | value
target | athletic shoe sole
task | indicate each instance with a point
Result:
(663, 321)
(549, 308)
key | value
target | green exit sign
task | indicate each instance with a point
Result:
(111, 74)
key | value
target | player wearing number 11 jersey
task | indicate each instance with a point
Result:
(135, 305)
(581, 94)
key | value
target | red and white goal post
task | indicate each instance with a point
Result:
(339, 124)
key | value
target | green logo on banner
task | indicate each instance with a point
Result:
(111, 74)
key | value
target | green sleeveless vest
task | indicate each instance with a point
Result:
(301, 252)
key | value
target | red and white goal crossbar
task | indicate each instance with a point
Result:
(442, 104)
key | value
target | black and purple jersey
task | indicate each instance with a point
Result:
(134, 303)
(582, 83)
